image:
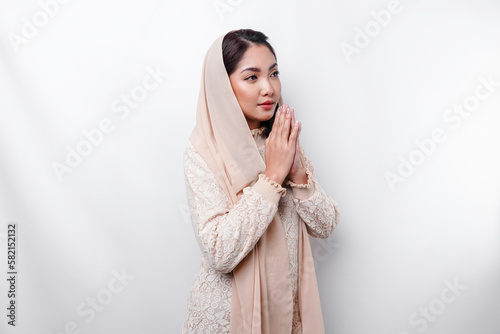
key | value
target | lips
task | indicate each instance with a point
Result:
(267, 103)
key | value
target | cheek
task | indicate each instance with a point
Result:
(243, 93)
(238, 90)
(278, 87)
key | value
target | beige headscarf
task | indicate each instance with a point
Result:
(262, 301)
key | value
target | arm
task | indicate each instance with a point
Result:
(316, 208)
(227, 234)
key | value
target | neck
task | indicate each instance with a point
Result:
(254, 126)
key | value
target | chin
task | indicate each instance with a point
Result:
(267, 117)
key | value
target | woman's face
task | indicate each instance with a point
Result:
(256, 84)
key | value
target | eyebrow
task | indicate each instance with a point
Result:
(256, 69)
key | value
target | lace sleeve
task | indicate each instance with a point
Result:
(227, 233)
(316, 208)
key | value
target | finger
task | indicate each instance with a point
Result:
(284, 133)
(281, 121)
(277, 115)
(299, 128)
(277, 118)
(294, 136)
(274, 128)
(295, 131)
(278, 121)
(286, 126)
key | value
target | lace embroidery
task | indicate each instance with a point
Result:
(320, 212)
(258, 131)
(226, 233)
(278, 187)
(304, 185)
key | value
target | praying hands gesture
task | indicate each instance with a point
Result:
(282, 148)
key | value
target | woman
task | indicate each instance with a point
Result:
(253, 197)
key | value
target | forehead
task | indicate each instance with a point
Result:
(257, 55)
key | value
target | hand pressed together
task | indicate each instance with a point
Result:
(282, 149)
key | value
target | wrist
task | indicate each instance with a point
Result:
(275, 177)
(300, 177)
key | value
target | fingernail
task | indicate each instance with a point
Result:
(287, 111)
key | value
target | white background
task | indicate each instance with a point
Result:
(123, 208)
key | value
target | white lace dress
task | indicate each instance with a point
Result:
(227, 233)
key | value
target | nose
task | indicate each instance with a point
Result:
(267, 88)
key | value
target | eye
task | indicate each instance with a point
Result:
(276, 73)
(253, 76)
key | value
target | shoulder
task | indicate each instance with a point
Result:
(189, 149)
(193, 158)
(195, 167)
(200, 179)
